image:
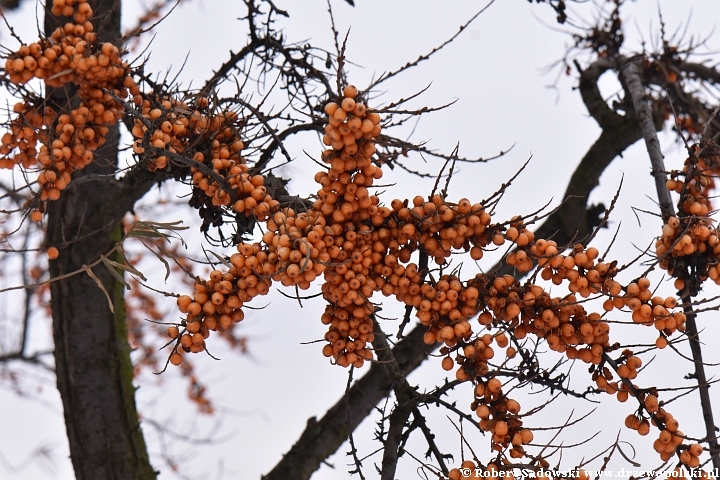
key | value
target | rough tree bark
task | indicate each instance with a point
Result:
(92, 354)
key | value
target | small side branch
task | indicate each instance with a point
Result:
(404, 394)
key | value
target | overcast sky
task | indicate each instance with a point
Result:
(500, 71)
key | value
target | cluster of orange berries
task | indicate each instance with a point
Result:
(253, 269)
(25, 131)
(478, 352)
(445, 308)
(690, 237)
(215, 306)
(165, 122)
(686, 237)
(627, 369)
(296, 250)
(650, 310)
(562, 322)
(440, 226)
(698, 181)
(500, 415)
(587, 277)
(361, 261)
(679, 241)
(70, 55)
(669, 438)
(175, 126)
(329, 238)
(361, 247)
(64, 56)
(529, 309)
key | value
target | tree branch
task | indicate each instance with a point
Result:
(693, 335)
(642, 110)
(631, 76)
(404, 406)
(322, 438)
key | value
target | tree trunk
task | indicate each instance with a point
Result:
(92, 354)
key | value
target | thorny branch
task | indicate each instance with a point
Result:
(642, 110)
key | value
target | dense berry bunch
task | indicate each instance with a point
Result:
(500, 415)
(71, 54)
(360, 247)
(528, 309)
(329, 238)
(689, 247)
(166, 127)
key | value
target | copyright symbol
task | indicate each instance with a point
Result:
(465, 472)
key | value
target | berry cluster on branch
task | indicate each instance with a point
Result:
(360, 247)
(689, 247)
(70, 55)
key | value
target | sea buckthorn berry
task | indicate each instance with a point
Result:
(173, 331)
(360, 246)
(494, 385)
(348, 104)
(176, 358)
(350, 91)
(651, 403)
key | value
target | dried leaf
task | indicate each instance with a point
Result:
(136, 232)
(167, 225)
(99, 284)
(160, 257)
(224, 261)
(127, 267)
(114, 272)
(153, 230)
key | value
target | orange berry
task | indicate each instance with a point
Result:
(494, 385)
(350, 91)
(348, 105)
(695, 449)
(330, 108)
(183, 303)
(186, 340)
(173, 331)
(53, 253)
(651, 403)
(176, 359)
